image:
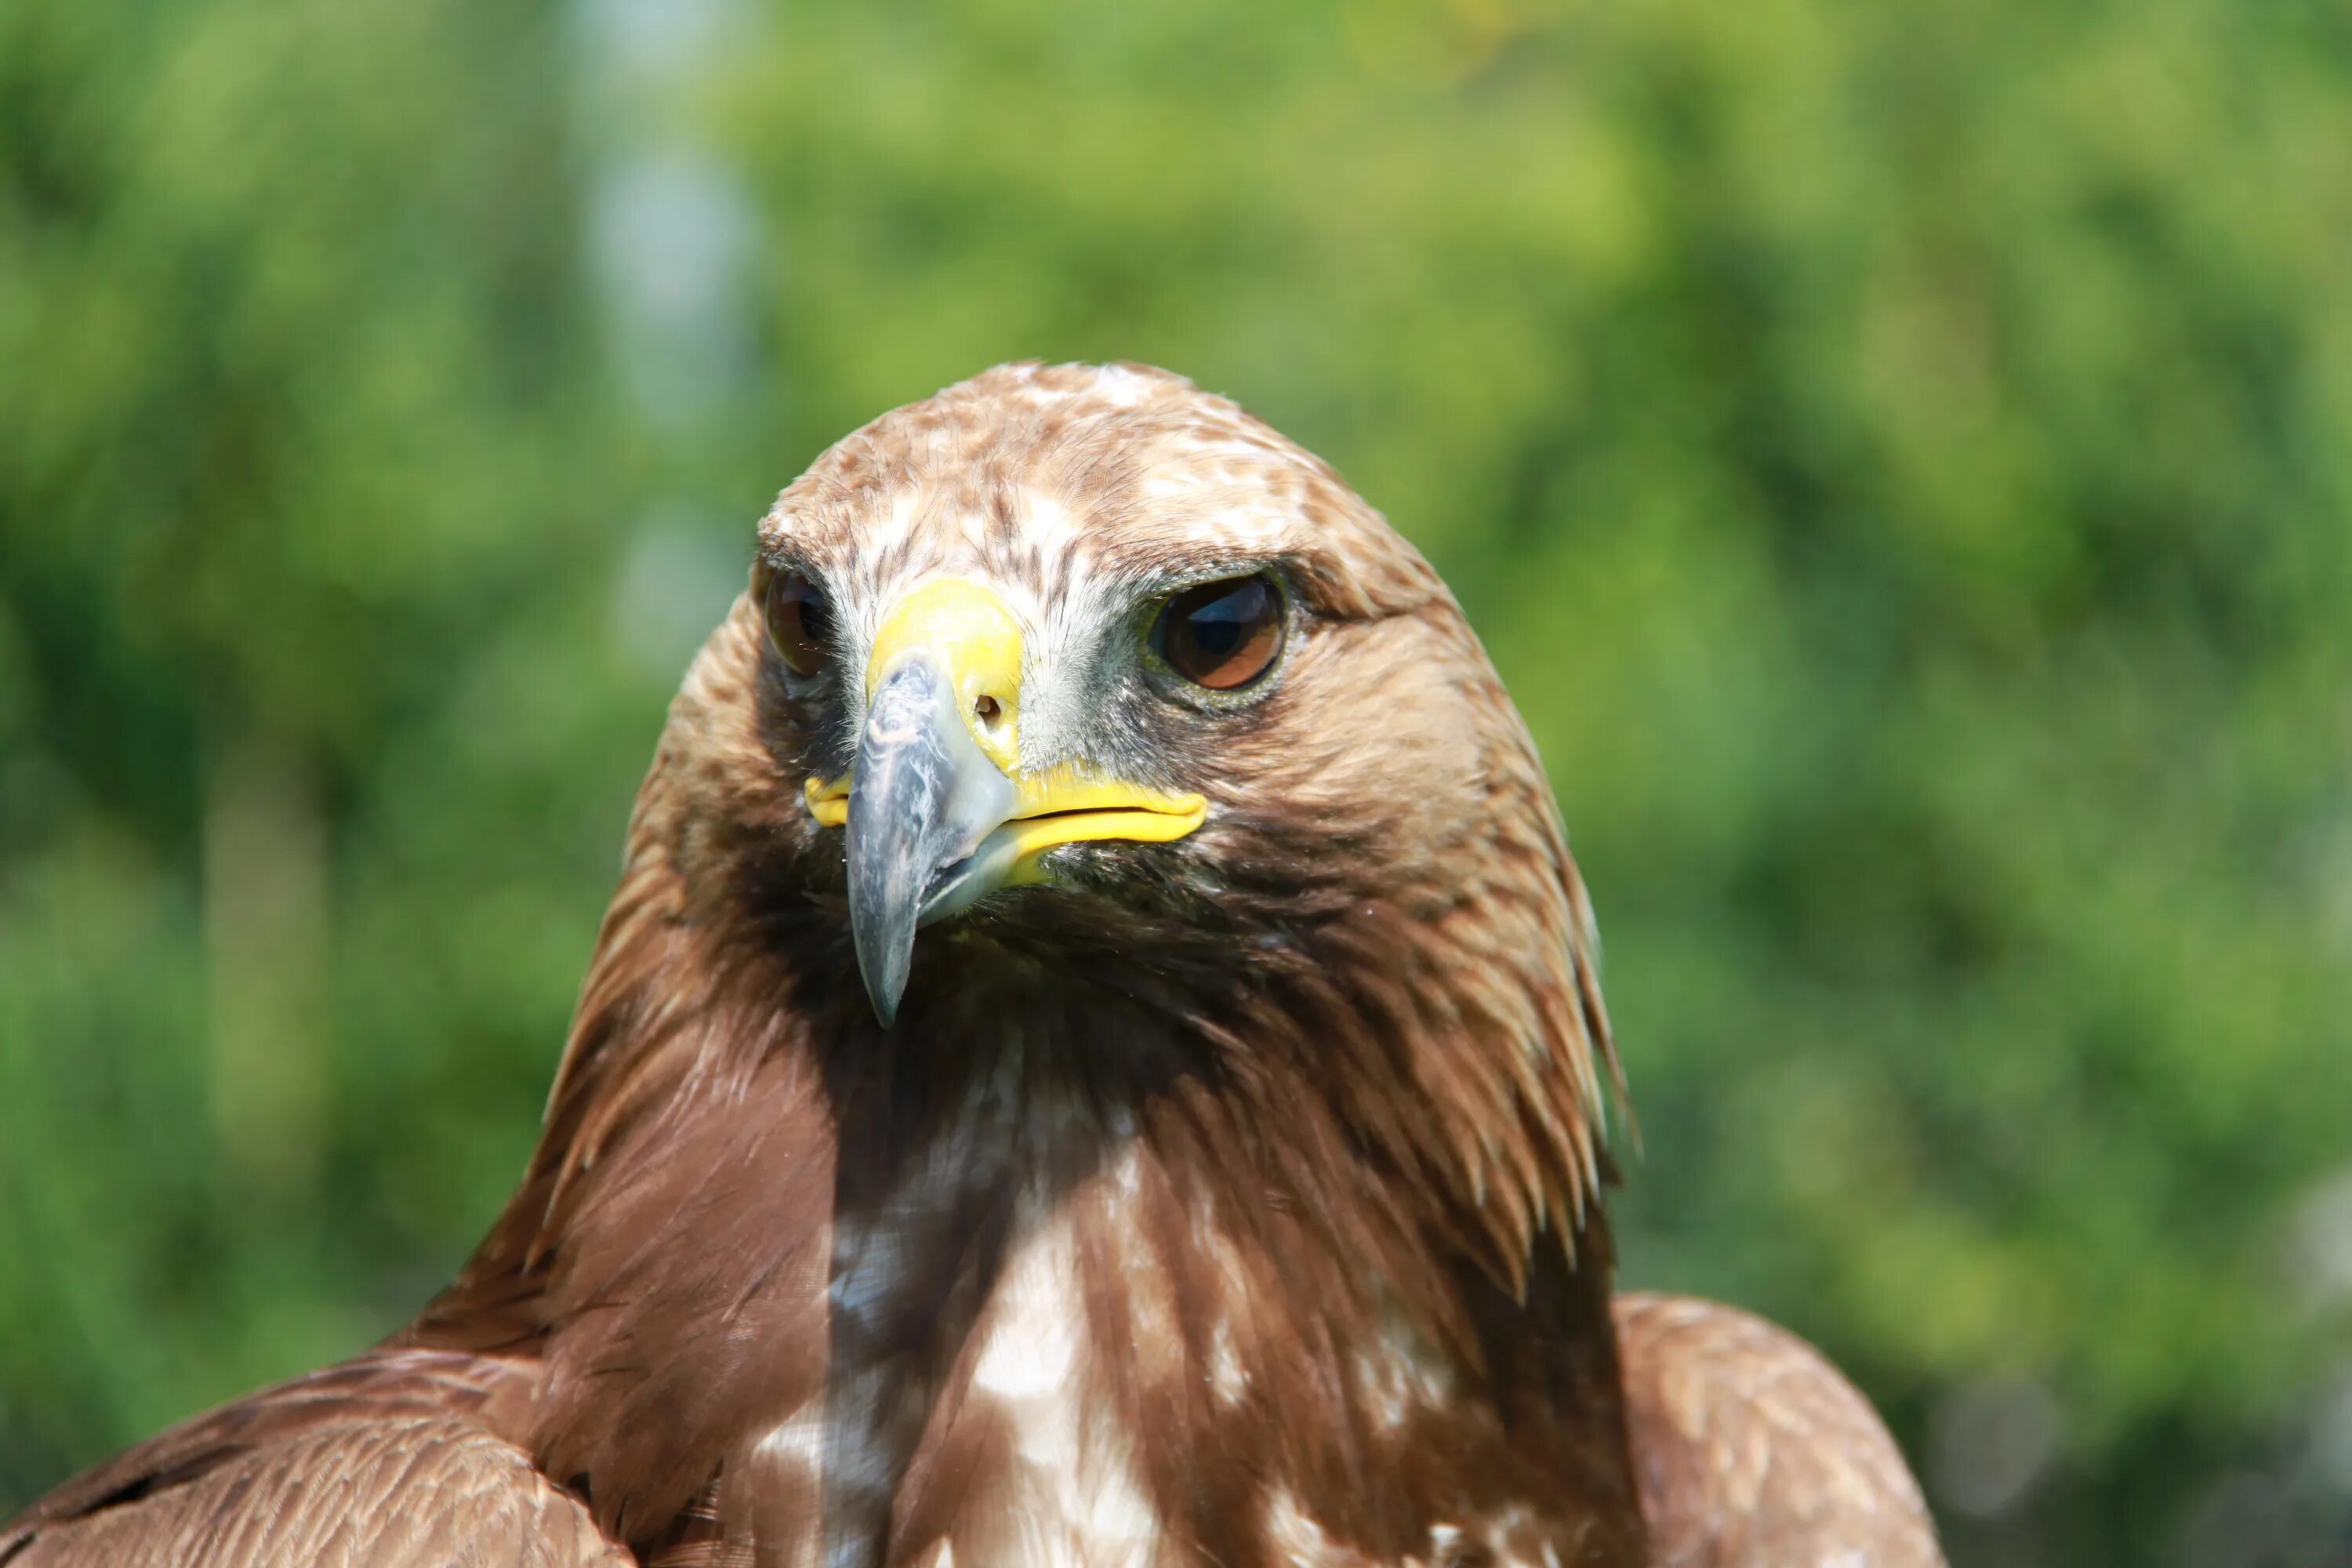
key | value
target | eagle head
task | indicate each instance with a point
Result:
(1074, 687)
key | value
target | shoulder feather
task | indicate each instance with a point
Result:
(1752, 1451)
(388, 1461)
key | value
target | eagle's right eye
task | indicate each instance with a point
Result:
(799, 622)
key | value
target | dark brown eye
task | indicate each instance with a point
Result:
(799, 622)
(1223, 634)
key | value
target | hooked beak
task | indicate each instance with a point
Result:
(938, 811)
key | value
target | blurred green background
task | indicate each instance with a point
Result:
(1900, 455)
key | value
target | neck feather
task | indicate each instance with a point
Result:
(1328, 1236)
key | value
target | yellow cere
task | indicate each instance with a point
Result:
(975, 637)
(974, 634)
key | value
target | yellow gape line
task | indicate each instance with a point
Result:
(1060, 807)
(828, 803)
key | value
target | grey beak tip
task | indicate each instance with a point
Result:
(884, 962)
(886, 1000)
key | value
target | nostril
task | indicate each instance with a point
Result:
(987, 710)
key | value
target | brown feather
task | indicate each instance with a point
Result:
(385, 1462)
(1754, 1453)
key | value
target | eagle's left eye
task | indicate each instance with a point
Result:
(1223, 634)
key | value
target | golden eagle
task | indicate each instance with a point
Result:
(1096, 1058)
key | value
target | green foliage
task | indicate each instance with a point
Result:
(1897, 455)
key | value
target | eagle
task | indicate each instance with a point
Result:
(1096, 1057)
